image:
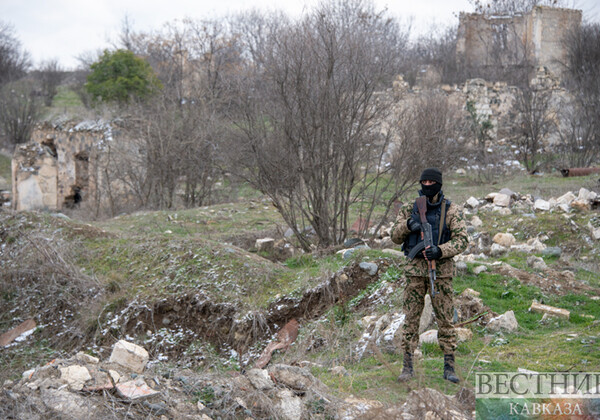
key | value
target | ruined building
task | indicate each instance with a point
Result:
(534, 39)
(59, 168)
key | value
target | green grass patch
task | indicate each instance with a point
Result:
(5, 168)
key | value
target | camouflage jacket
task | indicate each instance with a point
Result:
(459, 239)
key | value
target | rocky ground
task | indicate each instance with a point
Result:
(142, 317)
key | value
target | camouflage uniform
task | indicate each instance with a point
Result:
(418, 280)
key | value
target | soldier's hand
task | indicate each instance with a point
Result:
(432, 253)
(413, 225)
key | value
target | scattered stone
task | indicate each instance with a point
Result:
(537, 245)
(566, 198)
(67, 405)
(293, 377)
(129, 355)
(86, 358)
(536, 263)
(289, 406)
(260, 379)
(265, 245)
(472, 202)
(502, 200)
(505, 322)
(10, 336)
(595, 232)
(476, 222)
(75, 376)
(426, 315)
(370, 268)
(541, 205)
(463, 334)
(504, 239)
(470, 292)
(480, 269)
(461, 266)
(552, 251)
(430, 336)
(135, 390)
(550, 310)
(496, 250)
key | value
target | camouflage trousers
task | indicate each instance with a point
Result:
(443, 306)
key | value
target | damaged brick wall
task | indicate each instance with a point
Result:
(536, 37)
(59, 168)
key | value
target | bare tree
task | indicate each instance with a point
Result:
(19, 110)
(308, 130)
(580, 137)
(14, 61)
(50, 75)
(536, 120)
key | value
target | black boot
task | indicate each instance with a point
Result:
(449, 373)
(407, 368)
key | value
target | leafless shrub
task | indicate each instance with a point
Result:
(307, 117)
(14, 61)
(580, 138)
(19, 110)
(536, 121)
(50, 75)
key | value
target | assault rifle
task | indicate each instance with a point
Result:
(427, 236)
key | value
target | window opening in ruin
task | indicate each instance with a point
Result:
(75, 197)
(50, 147)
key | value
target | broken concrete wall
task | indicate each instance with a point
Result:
(535, 38)
(59, 167)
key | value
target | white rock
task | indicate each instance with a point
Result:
(490, 197)
(265, 244)
(566, 198)
(541, 205)
(595, 232)
(502, 200)
(289, 406)
(584, 195)
(426, 315)
(565, 208)
(536, 263)
(260, 379)
(130, 356)
(430, 336)
(476, 222)
(537, 245)
(75, 376)
(504, 239)
(527, 249)
(86, 358)
(393, 252)
(497, 250)
(479, 269)
(505, 322)
(472, 202)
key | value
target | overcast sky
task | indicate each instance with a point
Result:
(65, 29)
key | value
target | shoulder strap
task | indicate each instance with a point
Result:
(442, 220)
(422, 207)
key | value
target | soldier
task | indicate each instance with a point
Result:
(450, 238)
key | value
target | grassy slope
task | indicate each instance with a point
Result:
(156, 254)
(5, 171)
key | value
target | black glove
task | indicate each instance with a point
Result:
(433, 253)
(413, 225)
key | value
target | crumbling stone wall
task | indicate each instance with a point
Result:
(536, 37)
(493, 101)
(59, 167)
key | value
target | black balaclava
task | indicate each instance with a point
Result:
(431, 174)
